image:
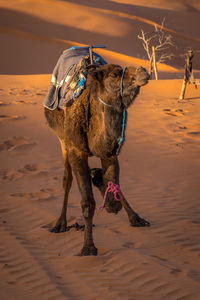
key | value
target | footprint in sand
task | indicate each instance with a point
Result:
(13, 91)
(129, 245)
(12, 143)
(25, 102)
(37, 169)
(25, 92)
(10, 175)
(25, 147)
(175, 271)
(3, 103)
(35, 196)
(41, 93)
(194, 133)
(29, 169)
(16, 144)
(178, 112)
(159, 258)
(34, 167)
(194, 275)
(182, 127)
(11, 118)
(4, 210)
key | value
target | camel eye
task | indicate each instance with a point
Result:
(114, 75)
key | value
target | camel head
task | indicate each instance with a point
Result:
(119, 87)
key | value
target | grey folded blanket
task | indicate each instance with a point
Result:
(69, 76)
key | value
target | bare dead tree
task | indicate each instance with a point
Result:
(157, 45)
(188, 74)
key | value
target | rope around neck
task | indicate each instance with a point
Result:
(104, 102)
(122, 138)
(121, 84)
(112, 188)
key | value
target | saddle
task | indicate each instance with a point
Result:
(69, 76)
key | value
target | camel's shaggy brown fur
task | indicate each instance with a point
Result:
(89, 127)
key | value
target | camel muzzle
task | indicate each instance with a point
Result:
(142, 76)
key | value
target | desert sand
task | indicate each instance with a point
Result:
(159, 161)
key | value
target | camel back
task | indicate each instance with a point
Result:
(69, 76)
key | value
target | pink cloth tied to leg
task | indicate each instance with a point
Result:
(112, 188)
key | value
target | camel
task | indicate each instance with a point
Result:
(94, 125)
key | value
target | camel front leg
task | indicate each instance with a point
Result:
(134, 218)
(79, 163)
(110, 172)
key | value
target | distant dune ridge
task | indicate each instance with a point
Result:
(159, 162)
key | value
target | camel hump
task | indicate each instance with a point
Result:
(69, 76)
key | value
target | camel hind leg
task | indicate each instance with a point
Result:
(61, 224)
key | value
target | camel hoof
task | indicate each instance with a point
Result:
(57, 229)
(136, 221)
(86, 251)
(60, 227)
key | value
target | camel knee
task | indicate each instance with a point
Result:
(88, 209)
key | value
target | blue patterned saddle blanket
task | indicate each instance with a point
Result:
(69, 76)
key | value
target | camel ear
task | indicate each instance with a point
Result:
(97, 75)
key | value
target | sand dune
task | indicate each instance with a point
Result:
(159, 161)
(40, 31)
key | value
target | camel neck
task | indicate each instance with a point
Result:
(105, 124)
(123, 126)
